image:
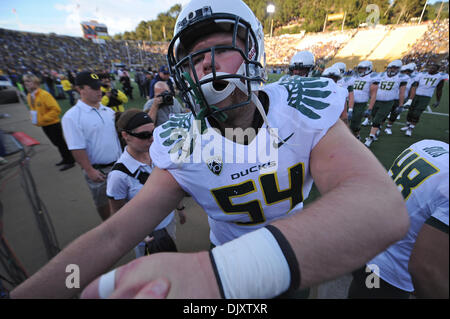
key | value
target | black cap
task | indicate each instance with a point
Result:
(88, 78)
(164, 69)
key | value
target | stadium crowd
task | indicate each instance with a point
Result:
(434, 43)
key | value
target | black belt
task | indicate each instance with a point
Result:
(97, 166)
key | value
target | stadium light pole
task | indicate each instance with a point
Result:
(423, 11)
(270, 11)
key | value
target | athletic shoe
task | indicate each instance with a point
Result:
(388, 131)
(404, 128)
(368, 141)
(408, 132)
(365, 122)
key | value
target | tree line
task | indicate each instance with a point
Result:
(293, 16)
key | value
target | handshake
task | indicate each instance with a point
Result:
(403, 107)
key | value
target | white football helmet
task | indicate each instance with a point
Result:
(341, 66)
(393, 68)
(332, 72)
(408, 68)
(200, 18)
(302, 63)
(364, 68)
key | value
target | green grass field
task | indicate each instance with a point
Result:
(433, 125)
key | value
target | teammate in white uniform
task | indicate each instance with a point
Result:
(255, 199)
(408, 70)
(348, 83)
(419, 262)
(365, 90)
(391, 87)
(421, 92)
(336, 75)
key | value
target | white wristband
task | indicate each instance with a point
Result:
(106, 284)
(254, 266)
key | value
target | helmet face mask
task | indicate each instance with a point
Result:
(392, 71)
(364, 68)
(300, 69)
(302, 63)
(197, 21)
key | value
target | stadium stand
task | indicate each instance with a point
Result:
(395, 44)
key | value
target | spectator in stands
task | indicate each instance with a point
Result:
(163, 105)
(45, 111)
(113, 98)
(90, 132)
(67, 87)
(126, 84)
(163, 75)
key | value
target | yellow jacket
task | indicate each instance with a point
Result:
(47, 108)
(67, 86)
(115, 104)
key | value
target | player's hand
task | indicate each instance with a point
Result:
(349, 114)
(367, 113)
(435, 104)
(149, 277)
(407, 104)
(96, 175)
(399, 109)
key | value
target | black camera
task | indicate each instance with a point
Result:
(114, 93)
(167, 98)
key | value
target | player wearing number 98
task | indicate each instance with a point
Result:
(418, 263)
(265, 243)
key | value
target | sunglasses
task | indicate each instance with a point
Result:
(141, 135)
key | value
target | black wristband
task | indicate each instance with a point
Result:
(216, 273)
(289, 254)
(180, 208)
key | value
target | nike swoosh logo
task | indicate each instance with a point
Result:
(278, 145)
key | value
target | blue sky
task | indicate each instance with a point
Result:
(64, 16)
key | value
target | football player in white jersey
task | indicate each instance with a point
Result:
(346, 82)
(302, 63)
(422, 91)
(392, 86)
(365, 90)
(408, 70)
(336, 75)
(418, 263)
(263, 237)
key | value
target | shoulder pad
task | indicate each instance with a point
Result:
(312, 98)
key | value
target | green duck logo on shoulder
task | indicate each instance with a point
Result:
(302, 93)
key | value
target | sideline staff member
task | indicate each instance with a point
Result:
(90, 132)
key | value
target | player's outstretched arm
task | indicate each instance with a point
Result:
(360, 214)
(99, 249)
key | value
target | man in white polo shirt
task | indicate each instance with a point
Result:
(89, 130)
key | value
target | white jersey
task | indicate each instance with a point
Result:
(240, 188)
(86, 127)
(389, 87)
(421, 173)
(347, 82)
(428, 82)
(411, 80)
(120, 185)
(362, 85)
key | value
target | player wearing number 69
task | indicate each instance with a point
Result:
(392, 87)
(266, 242)
(418, 263)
